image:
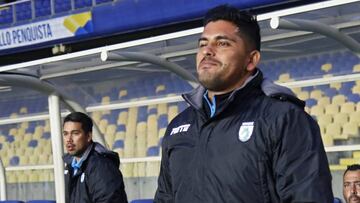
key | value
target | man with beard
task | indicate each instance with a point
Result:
(243, 138)
(92, 172)
(351, 187)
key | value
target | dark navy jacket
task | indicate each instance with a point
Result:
(259, 147)
(99, 179)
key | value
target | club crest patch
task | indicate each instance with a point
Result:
(245, 131)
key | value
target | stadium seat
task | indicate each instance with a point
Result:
(347, 107)
(339, 99)
(341, 118)
(350, 129)
(332, 109)
(11, 201)
(317, 110)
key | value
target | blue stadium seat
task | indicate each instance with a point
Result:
(46, 135)
(153, 151)
(118, 144)
(33, 143)
(14, 161)
(121, 128)
(11, 201)
(311, 102)
(62, 5)
(142, 201)
(163, 121)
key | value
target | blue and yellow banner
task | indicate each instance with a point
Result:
(45, 31)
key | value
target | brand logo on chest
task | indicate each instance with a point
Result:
(245, 131)
(182, 128)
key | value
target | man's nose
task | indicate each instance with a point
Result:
(208, 50)
(353, 189)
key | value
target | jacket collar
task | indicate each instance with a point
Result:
(195, 97)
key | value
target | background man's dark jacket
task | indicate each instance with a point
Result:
(99, 179)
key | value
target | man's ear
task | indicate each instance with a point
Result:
(89, 136)
(254, 60)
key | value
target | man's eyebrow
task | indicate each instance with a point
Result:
(219, 37)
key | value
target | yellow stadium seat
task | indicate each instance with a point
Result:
(11, 177)
(23, 110)
(337, 167)
(24, 125)
(303, 95)
(139, 169)
(324, 101)
(334, 130)
(161, 132)
(356, 89)
(316, 94)
(355, 117)
(34, 177)
(336, 85)
(127, 169)
(122, 119)
(358, 107)
(351, 129)
(317, 110)
(120, 151)
(332, 109)
(356, 68)
(327, 140)
(285, 77)
(341, 118)
(122, 94)
(141, 139)
(349, 161)
(324, 119)
(339, 99)
(347, 107)
(160, 88)
(326, 67)
(356, 154)
(162, 109)
(152, 169)
(105, 100)
(296, 90)
(172, 112)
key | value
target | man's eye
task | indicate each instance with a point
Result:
(202, 44)
(223, 43)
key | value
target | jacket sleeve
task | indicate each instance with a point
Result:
(164, 190)
(300, 164)
(106, 183)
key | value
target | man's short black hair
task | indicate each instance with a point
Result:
(85, 120)
(353, 167)
(245, 21)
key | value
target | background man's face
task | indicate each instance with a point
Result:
(351, 187)
(75, 139)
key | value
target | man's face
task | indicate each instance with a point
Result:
(222, 58)
(351, 187)
(75, 139)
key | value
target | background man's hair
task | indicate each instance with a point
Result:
(353, 167)
(245, 21)
(85, 120)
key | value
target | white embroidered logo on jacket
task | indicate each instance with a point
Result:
(182, 128)
(245, 131)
